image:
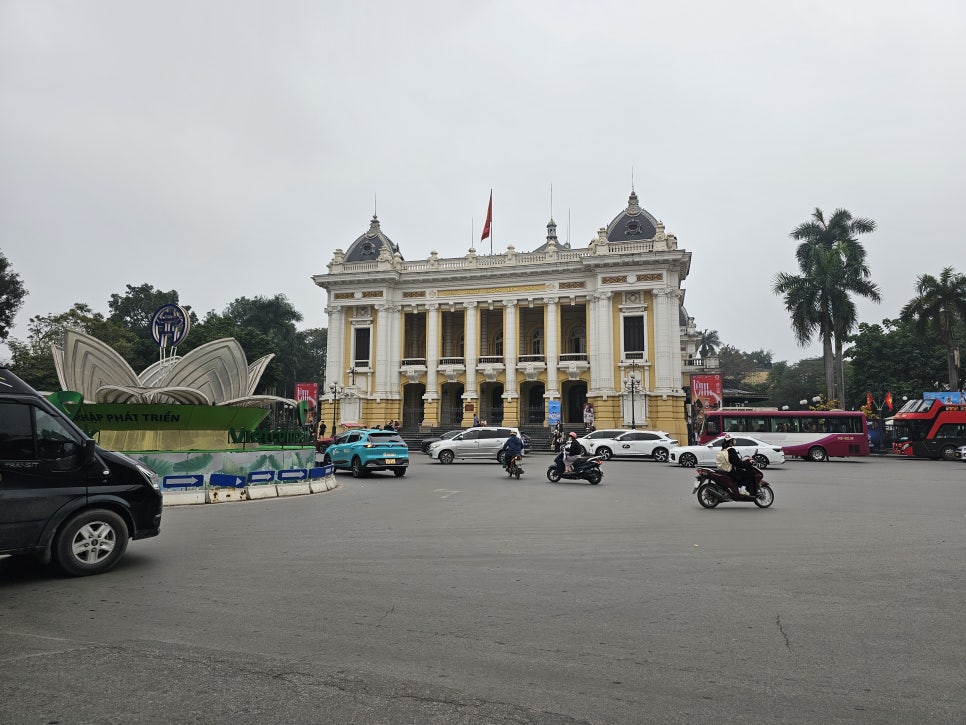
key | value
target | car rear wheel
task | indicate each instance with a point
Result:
(358, 471)
(446, 456)
(399, 472)
(688, 460)
(91, 542)
(660, 455)
(761, 460)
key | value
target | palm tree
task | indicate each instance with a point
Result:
(833, 268)
(710, 342)
(938, 304)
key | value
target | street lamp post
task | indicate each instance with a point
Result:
(337, 391)
(632, 383)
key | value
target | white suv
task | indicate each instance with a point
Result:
(635, 443)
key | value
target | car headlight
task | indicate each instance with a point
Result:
(149, 476)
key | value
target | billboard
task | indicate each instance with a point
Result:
(945, 396)
(706, 389)
(307, 391)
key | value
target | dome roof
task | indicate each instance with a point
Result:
(367, 247)
(632, 224)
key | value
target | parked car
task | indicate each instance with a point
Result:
(479, 442)
(961, 453)
(426, 442)
(598, 434)
(633, 443)
(364, 451)
(62, 496)
(763, 454)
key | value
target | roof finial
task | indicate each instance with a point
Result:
(375, 206)
(632, 178)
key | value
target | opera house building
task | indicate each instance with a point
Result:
(511, 338)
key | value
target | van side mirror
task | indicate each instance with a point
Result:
(89, 455)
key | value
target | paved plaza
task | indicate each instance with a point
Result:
(455, 595)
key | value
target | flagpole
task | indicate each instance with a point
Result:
(490, 217)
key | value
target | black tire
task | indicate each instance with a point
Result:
(357, 469)
(705, 497)
(517, 472)
(948, 453)
(817, 454)
(399, 472)
(766, 497)
(91, 542)
(660, 455)
(583, 451)
(446, 456)
(553, 474)
(761, 460)
(326, 459)
(688, 460)
(595, 477)
(604, 452)
(501, 457)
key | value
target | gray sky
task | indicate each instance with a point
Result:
(226, 148)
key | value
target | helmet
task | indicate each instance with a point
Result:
(572, 434)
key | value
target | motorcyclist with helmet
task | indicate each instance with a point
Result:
(513, 448)
(739, 469)
(572, 451)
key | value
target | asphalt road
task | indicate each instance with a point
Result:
(454, 595)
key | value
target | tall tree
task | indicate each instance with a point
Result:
(832, 269)
(710, 342)
(12, 293)
(939, 304)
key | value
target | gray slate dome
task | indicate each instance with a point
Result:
(632, 224)
(367, 247)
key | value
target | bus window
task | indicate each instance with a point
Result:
(711, 426)
(951, 430)
(760, 425)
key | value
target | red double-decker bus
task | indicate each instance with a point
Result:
(929, 429)
(815, 435)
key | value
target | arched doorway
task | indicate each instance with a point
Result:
(574, 393)
(451, 405)
(491, 403)
(412, 413)
(532, 404)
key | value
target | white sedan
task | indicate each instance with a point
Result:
(633, 443)
(763, 454)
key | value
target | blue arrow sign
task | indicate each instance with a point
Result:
(321, 471)
(293, 474)
(261, 476)
(224, 480)
(189, 481)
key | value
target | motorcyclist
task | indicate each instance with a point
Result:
(740, 470)
(572, 452)
(513, 448)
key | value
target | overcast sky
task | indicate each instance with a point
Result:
(226, 148)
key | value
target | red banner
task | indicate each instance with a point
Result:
(309, 392)
(708, 390)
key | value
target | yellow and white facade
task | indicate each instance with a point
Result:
(441, 341)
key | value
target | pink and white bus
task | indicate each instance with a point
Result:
(815, 435)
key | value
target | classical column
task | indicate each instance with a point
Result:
(674, 325)
(432, 351)
(335, 347)
(395, 349)
(510, 353)
(382, 351)
(663, 332)
(470, 337)
(602, 369)
(553, 344)
(594, 331)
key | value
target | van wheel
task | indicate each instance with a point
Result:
(91, 542)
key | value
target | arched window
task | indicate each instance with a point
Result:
(578, 340)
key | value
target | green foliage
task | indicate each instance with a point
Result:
(939, 308)
(788, 384)
(12, 293)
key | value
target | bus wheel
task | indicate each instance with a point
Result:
(817, 453)
(948, 453)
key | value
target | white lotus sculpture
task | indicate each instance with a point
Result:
(216, 373)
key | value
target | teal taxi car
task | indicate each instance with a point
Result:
(364, 451)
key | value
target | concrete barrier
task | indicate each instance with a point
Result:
(257, 492)
(183, 498)
(223, 495)
(293, 489)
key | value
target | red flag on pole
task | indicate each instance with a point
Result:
(868, 402)
(888, 400)
(489, 218)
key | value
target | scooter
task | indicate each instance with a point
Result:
(587, 469)
(514, 467)
(712, 486)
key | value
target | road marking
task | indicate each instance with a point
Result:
(446, 493)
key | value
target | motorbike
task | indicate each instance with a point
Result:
(587, 469)
(713, 486)
(514, 467)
